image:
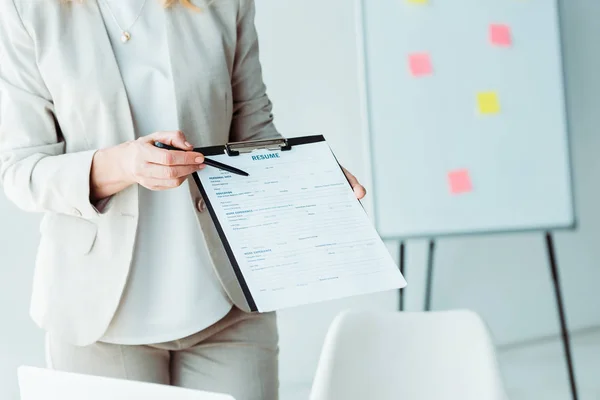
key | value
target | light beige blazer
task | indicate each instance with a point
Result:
(62, 98)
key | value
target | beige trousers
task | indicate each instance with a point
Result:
(238, 356)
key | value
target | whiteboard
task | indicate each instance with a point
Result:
(442, 162)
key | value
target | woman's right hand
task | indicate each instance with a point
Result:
(160, 169)
(139, 161)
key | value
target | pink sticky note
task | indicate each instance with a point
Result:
(420, 64)
(460, 181)
(500, 35)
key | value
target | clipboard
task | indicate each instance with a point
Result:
(239, 287)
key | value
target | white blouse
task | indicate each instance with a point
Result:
(172, 291)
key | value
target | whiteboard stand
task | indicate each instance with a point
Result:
(561, 312)
(566, 340)
(401, 264)
(430, 254)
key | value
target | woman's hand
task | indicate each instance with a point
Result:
(139, 161)
(159, 169)
(359, 190)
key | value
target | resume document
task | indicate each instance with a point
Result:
(296, 229)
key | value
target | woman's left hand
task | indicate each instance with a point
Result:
(359, 190)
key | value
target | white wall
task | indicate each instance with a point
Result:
(309, 52)
(20, 340)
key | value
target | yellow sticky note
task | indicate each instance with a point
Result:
(488, 103)
(418, 1)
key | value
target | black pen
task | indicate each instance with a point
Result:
(207, 161)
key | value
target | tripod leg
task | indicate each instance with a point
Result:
(430, 255)
(561, 313)
(401, 264)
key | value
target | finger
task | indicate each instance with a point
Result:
(351, 178)
(359, 190)
(171, 157)
(167, 173)
(172, 138)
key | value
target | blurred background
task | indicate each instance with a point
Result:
(313, 55)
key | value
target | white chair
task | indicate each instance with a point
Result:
(408, 356)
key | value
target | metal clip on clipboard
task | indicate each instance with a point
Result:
(237, 148)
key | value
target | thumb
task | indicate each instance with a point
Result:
(358, 189)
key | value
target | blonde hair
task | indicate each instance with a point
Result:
(186, 3)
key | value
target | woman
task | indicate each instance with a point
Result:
(125, 283)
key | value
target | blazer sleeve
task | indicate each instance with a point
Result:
(35, 172)
(252, 109)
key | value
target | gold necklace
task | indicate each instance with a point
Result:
(125, 33)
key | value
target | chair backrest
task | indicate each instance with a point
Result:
(408, 356)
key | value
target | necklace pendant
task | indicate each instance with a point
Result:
(125, 37)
